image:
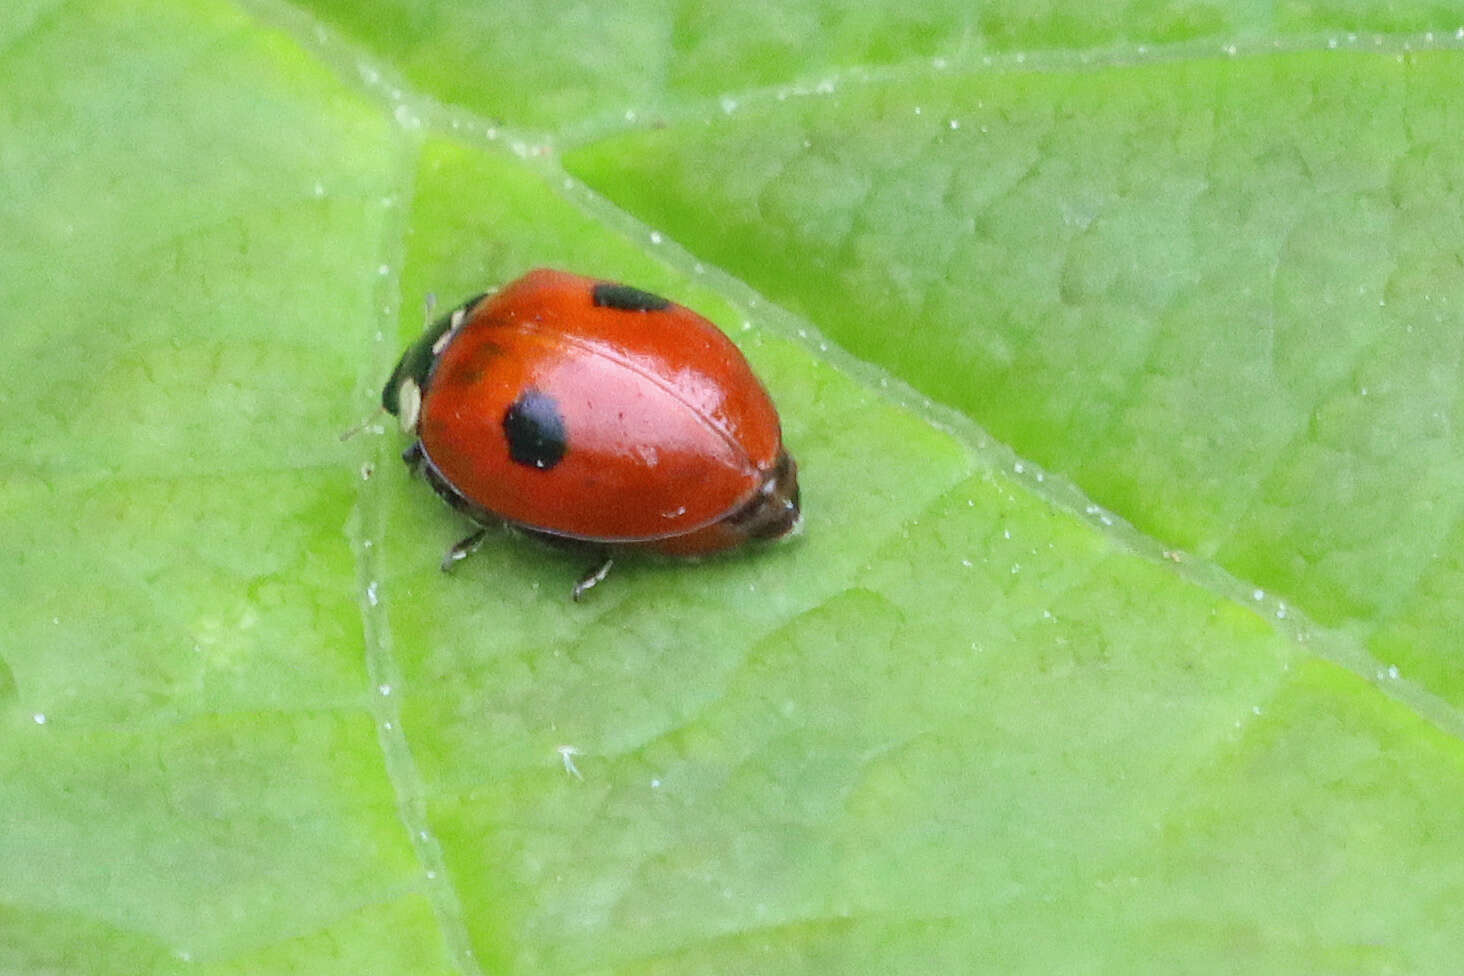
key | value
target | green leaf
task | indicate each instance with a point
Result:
(1219, 294)
(1119, 348)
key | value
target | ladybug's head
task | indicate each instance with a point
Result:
(402, 395)
(773, 512)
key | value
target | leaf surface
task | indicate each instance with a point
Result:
(1119, 347)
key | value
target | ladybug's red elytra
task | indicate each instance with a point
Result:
(595, 413)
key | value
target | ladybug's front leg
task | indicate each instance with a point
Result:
(465, 548)
(594, 576)
(413, 456)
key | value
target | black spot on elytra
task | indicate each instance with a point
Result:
(535, 430)
(626, 298)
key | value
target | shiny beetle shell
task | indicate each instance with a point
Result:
(593, 411)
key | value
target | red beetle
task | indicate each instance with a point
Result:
(593, 412)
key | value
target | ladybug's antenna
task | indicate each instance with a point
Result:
(347, 435)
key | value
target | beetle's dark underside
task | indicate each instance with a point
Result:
(756, 518)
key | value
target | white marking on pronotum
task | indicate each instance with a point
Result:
(409, 405)
(458, 314)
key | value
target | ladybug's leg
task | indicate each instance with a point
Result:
(413, 457)
(463, 549)
(588, 581)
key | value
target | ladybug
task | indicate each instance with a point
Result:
(593, 413)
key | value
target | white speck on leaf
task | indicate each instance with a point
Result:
(566, 755)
